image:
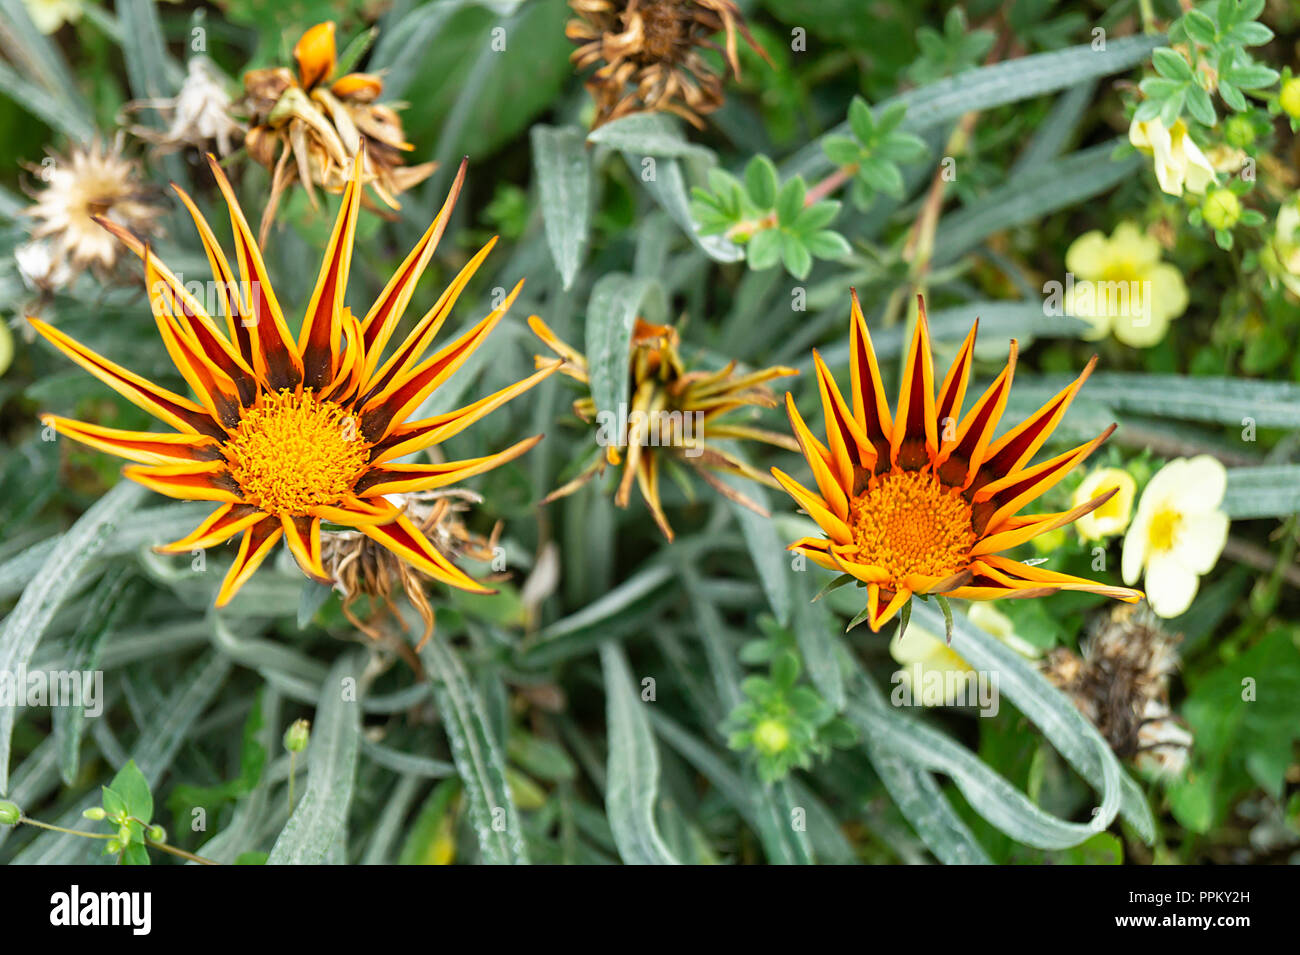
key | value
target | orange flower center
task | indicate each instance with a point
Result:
(293, 451)
(908, 522)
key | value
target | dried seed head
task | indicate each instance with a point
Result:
(360, 567)
(1121, 684)
(648, 53)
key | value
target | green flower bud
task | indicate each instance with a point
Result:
(157, 834)
(124, 835)
(1239, 131)
(94, 812)
(1222, 209)
(10, 814)
(771, 737)
(1289, 97)
(297, 735)
(114, 846)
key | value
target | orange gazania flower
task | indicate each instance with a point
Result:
(285, 435)
(923, 501)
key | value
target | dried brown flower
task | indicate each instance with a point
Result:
(90, 183)
(304, 127)
(360, 567)
(1121, 684)
(650, 54)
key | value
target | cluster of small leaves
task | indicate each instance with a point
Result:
(1209, 54)
(783, 723)
(128, 804)
(874, 151)
(772, 219)
(955, 50)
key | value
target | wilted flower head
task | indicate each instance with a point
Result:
(38, 267)
(91, 182)
(361, 567)
(671, 411)
(650, 54)
(308, 126)
(1121, 684)
(198, 116)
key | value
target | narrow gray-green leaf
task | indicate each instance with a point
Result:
(1262, 492)
(648, 134)
(318, 821)
(479, 758)
(632, 780)
(1047, 708)
(616, 301)
(564, 181)
(990, 86)
(1229, 401)
(26, 623)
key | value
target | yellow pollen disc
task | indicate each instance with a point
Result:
(1162, 530)
(294, 451)
(907, 522)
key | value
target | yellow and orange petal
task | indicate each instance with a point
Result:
(291, 432)
(921, 500)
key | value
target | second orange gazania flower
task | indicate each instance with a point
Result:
(923, 500)
(288, 435)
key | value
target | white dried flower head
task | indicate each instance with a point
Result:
(199, 114)
(38, 267)
(91, 182)
(1163, 743)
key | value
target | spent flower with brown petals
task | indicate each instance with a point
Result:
(650, 54)
(360, 567)
(670, 411)
(90, 183)
(306, 126)
(1121, 684)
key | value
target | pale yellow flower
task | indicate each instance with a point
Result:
(1121, 286)
(1179, 162)
(1113, 516)
(934, 673)
(1281, 256)
(49, 15)
(1178, 532)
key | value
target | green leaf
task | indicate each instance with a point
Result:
(479, 758)
(1023, 78)
(564, 185)
(1270, 491)
(649, 134)
(1171, 64)
(797, 259)
(1199, 27)
(27, 622)
(616, 301)
(632, 783)
(761, 182)
(861, 121)
(789, 202)
(764, 249)
(132, 789)
(319, 822)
